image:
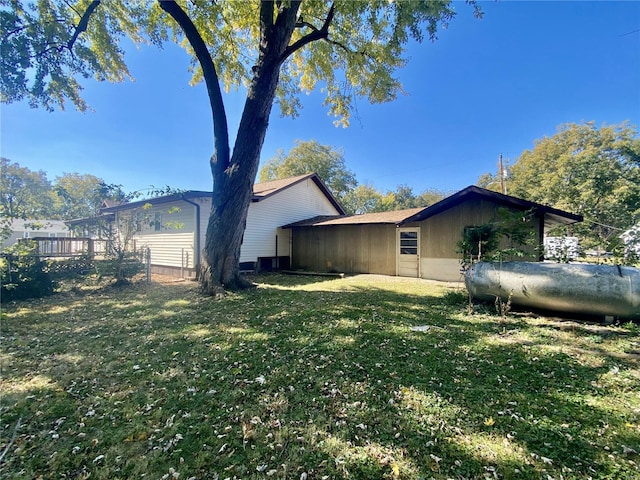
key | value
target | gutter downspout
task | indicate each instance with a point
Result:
(197, 242)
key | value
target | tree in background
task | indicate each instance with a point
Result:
(329, 163)
(364, 199)
(429, 197)
(403, 198)
(587, 170)
(275, 49)
(82, 195)
(29, 195)
(24, 194)
(367, 199)
(489, 181)
(312, 157)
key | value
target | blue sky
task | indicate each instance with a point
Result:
(485, 87)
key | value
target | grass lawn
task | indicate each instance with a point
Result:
(311, 378)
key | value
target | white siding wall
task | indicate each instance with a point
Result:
(175, 237)
(169, 249)
(298, 202)
(49, 228)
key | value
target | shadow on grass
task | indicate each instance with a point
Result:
(328, 381)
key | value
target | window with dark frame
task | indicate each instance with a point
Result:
(409, 243)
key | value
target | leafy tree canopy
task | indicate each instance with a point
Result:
(82, 195)
(329, 163)
(49, 45)
(28, 194)
(429, 197)
(364, 198)
(312, 157)
(587, 170)
(24, 193)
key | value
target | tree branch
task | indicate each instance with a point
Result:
(84, 21)
(220, 161)
(316, 34)
(266, 18)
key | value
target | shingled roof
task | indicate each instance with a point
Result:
(395, 217)
(261, 191)
(471, 193)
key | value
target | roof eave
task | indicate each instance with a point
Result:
(109, 217)
(500, 198)
(176, 197)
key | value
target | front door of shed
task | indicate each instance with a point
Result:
(408, 246)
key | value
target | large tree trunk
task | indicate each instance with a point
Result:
(230, 204)
(233, 182)
(233, 176)
(233, 190)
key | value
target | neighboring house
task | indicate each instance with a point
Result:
(173, 227)
(562, 249)
(419, 242)
(631, 240)
(35, 228)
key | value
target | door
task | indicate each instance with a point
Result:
(408, 248)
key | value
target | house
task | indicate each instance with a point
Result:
(419, 242)
(21, 229)
(561, 249)
(631, 241)
(173, 227)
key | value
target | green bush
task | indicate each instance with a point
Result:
(23, 274)
(478, 242)
(122, 267)
(70, 268)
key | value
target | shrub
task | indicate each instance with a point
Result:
(122, 267)
(23, 274)
(70, 268)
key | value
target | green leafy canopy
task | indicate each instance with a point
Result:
(47, 46)
(594, 171)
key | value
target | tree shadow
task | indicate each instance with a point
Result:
(332, 380)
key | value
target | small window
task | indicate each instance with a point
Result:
(25, 235)
(409, 243)
(157, 221)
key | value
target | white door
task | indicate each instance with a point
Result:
(408, 248)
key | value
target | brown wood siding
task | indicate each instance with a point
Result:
(345, 248)
(441, 233)
(371, 248)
